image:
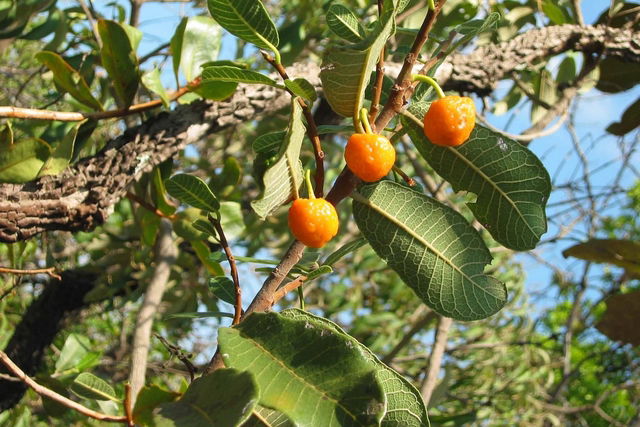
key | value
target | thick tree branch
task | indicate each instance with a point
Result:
(39, 325)
(82, 197)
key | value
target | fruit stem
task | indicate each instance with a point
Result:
(431, 82)
(431, 5)
(307, 179)
(365, 120)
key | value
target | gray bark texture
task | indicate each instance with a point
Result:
(83, 196)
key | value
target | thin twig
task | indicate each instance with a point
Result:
(294, 284)
(92, 22)
(312, 129)
(410, 181)
(435, 361)
(377, 87)
(425, 316)
(234, 269)
(51, 271)
(165, 256)
(72, 116)
(44, 391)
(149, 207)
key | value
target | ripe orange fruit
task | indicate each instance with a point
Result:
(369, 156)
(313, 221)
(450, 120)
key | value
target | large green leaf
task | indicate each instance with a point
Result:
(284, 177)
(195, 43)
(629, 121)
(247, 19)
(226, 73)
(223, 288)
(346, 70)
(89, 386)
(21, 162)
(147, 400)
(312, 374)
(433, 249)
(68, 78)
(344, 23)
(119, 59)
(545, 89)
(152, 81)
(224, 398)
(192, 191)
(511, 184)
(623, 253)
(405, 407)
(617, 76)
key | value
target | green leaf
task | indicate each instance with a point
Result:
(74, 349)
(205, 256)
(344, 23)
(405, 407)
(225, 73)
(474, 27)
(346, 71)
(629, 121)
(120, 61)
(199, 315)
(152, 81)
(346, 249)
(20, 162)
(246, 19)
(201, 42)
(269, 142)
(62, 154)
(134, 34)
(53, 408)
(147, 400)
(88, 386)
(302, 88)
(223, 288)
(511, 184)
(545, 89)
(175, 45)
(554, 12)
(205, 227)
(433, 249)
(623, 253)
(567, 70)
(311, 374)
(320, 271)
(193, 191)
(68, 78)
(224, 398)
(226, 181)
(284, 177)
(617, 76)
(231, 219)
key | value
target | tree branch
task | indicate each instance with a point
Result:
(435, 361)
(165, 256)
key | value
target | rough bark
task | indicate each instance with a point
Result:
(39, 326)
(83, 196)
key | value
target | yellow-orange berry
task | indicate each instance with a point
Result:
(450, 120)
(369, 156)
(313, 221)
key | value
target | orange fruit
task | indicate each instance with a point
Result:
(450, 120)
(369, 156)
(313, 221)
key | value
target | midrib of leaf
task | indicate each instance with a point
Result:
(346, 24)
(358, 197)
(193, 193)
(97, 391)
(483, 175)
(293, 373)
(292, 174)
(272, 47)
(201, 412)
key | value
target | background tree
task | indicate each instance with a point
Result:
(120, 266)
